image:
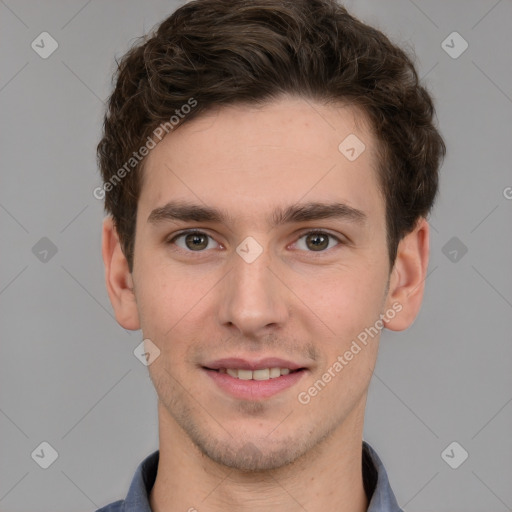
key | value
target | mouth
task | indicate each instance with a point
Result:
(261, 374)
(254, 380)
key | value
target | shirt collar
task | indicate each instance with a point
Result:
(376, 483)
(375, 479)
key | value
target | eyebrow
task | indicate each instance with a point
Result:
(185, 211)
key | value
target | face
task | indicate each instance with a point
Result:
(258, 312)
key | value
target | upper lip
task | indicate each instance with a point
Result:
(252, 364)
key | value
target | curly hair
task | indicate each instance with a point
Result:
(210, 53)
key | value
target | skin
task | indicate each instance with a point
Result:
(218, 452)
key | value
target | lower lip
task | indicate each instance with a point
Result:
(254, 389)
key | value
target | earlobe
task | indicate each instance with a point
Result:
(118, 278)
(407, 281)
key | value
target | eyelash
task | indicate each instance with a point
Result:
(302, 235)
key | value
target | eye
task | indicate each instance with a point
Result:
(198, 241)
(194, 240)
(317, 241)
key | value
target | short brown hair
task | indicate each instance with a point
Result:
(222, 52)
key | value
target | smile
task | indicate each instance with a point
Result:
(261, 374)
(254, 385)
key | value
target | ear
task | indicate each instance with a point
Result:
(118, 278)
(407, 281)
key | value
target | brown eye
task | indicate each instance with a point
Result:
(194, 241)
(316, 241)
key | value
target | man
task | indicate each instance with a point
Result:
(268, 168)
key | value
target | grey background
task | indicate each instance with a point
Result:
(68, 373)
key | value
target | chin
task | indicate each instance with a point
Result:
(249, 458)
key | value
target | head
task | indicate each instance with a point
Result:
(266, 116)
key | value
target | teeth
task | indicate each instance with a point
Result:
(245, 374)
(274, 372)
(262, 374)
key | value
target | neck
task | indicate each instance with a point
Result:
(328, 479)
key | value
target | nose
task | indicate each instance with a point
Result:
(253, 297)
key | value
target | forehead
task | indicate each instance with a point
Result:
(248, 159)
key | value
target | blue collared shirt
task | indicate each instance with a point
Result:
(375, 479)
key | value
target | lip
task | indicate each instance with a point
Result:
(254, 390)
(246, 364)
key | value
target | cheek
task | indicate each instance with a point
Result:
(163, 299)
(162, 288)
(351, 310)
(346, 299)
